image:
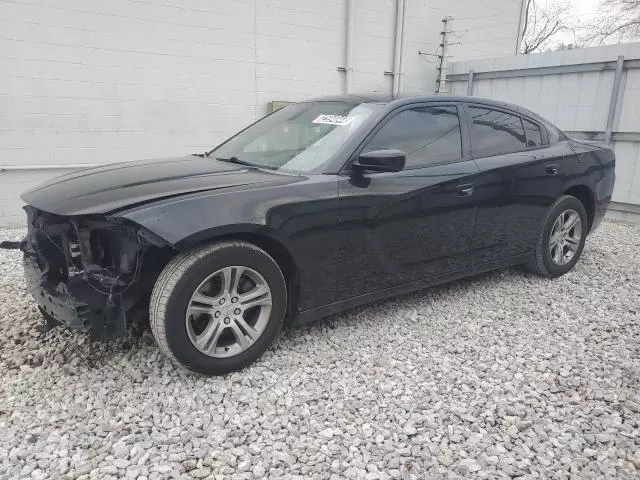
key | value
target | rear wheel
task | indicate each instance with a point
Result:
(561, 239)
(216, 309)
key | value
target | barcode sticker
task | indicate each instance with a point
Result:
(334, 120)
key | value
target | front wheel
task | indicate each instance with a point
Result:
(561, 239)
(215, 309)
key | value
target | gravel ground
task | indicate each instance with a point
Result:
(503, 375)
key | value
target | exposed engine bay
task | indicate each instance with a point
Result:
(91, 273)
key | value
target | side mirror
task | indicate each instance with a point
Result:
(381, 161)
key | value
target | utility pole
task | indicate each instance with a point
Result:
(442, 74)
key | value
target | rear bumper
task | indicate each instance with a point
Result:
(603, 193)
(601, 211)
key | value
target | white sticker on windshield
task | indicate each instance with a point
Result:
(334, 120)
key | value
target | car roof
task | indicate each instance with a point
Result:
(393, 102)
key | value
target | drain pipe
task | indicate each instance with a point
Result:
(399, 46)
(348, 53)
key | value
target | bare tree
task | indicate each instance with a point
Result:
(619, 21)
(567, 46)
(543, 24)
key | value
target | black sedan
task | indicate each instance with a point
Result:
(318, 207)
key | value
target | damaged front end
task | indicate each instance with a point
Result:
(91, 273)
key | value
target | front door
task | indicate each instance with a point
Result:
(405, 226)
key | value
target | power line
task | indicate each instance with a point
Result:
(441, 55)
(484, 27)
(499, 11)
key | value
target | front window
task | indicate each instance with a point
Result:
(299, 138)
(427, 136)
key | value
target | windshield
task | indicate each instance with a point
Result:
(299, 138)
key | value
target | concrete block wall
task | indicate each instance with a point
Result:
(88, 81)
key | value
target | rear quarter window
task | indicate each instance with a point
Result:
(554, 134)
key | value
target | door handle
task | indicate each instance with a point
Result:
(551, 169)
(465, 190)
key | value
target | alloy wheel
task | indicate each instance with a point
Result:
(228, 311)
(565, 237)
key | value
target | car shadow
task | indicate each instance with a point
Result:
(77, 351)
(451, 288)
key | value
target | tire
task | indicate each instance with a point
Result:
(542, 261)
(180, 321)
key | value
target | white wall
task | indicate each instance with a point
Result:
(480, 29)
(575, 102)
(88, 81)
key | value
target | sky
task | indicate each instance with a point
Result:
(585, 12)
(585, 8)
(582, 8)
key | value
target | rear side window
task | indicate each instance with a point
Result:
(427, 136)
(494, 132)
(532, 131)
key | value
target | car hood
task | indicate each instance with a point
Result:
(113, 187)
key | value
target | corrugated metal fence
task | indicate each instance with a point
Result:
(591, 93)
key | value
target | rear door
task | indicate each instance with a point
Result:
(520, 177)
(399, 227)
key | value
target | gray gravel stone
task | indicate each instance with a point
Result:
(505, 374)
(468, 466)
(327, 433)
(120, 450)
(259, 471)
